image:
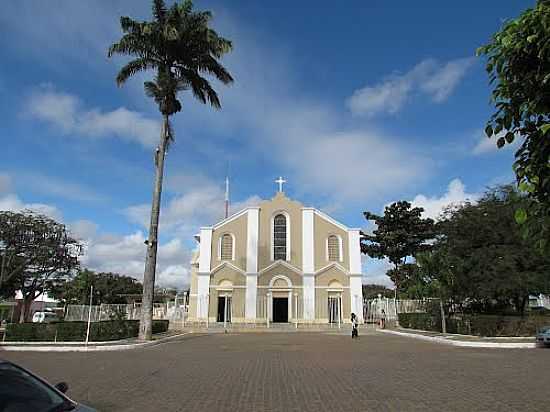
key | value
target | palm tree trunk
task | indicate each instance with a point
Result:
(146, 323)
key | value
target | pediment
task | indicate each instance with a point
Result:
(278, 263)
(228, 265)
(332, 265)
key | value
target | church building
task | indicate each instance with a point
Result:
(277, 262)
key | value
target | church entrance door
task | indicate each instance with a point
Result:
(280, 310)
(224, 310)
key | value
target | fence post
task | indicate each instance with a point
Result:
(339, 312)
(225, 313)
(207, 310)
(89, 314)
(296, 309)
(267, 309)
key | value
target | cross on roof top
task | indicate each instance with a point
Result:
(280, 181)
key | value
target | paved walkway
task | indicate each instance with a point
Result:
(301, 372)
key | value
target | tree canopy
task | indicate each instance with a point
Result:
(399, 233)
(518, 64)
(108, 288)
(480, 258)
(36, 252)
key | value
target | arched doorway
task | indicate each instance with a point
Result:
(225, 292)
(280, 289)
(334, 291)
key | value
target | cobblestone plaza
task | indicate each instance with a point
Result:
(300, 372)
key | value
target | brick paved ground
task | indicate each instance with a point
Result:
(301, 372)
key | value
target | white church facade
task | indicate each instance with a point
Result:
(278, 262)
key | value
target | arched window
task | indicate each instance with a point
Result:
(279, 237)
(226, 248)
(333, 246)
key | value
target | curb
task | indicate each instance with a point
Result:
(464, 344)
(92, 347)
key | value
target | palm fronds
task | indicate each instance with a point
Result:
(181, 47)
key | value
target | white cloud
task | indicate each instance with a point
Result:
(443, 80)
(67, 113)
(429, 77)
(5, 183)
(201, 204)
(374, 271)
(52, 186)
(83, 229)
(456, 195)
(59, 30)
(126, 255)
(487, 145)
(335, 163)
(123, 254)
(12, 202)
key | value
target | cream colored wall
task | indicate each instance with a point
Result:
(193, 291)
(324, 278)
(193, 280)
(267, 209)
(237, 303)
(323, 229)
(321, 305)
(238, 228)
(237, 294)
(265, 278)
(238, 279)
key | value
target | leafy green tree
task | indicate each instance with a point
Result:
(487, 259)
(36, 252)
(181, 48)
(371, 291)
(108, 288)
(518, 63)
(401, 232)
(411, 283)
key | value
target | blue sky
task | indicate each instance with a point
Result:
(356, 105)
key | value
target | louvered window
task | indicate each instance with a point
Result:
(333, 248)
(227, 247)
(279, 237)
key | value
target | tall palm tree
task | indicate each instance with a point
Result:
(181, 48)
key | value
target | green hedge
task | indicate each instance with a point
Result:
(479, 325)
(421, 321)
(160, 326)
(76, 331)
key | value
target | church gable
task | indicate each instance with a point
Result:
(265, 277)
(331, 242)
(233, 244)
(292, 211)
(334, 273)
(227, 274)
(278, 262)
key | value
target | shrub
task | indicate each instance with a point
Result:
(76, 331)
(479, 325)
(114, 330)
(160, 326)
(421, 321)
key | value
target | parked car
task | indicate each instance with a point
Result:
(543, 337)
(45, 317)
(28, 392)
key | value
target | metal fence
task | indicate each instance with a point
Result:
(377, 308)
(170, 310)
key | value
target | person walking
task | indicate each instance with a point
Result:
(354, 324)
(383, 320)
